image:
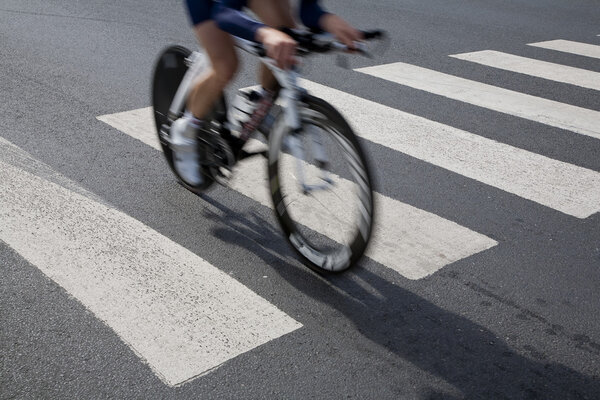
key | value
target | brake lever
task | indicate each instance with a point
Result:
(364, 53)
(384, 42)
(342, 59)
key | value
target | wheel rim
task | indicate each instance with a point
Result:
(329, 228)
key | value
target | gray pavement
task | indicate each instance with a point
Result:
(516, 321)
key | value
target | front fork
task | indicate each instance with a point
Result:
(292, 95)
(294, 145)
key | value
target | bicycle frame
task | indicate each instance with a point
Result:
(290, 94)
(196, 64)
(290, 91)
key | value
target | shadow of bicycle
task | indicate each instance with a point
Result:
(462, 353)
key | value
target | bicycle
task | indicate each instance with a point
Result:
(312, 150)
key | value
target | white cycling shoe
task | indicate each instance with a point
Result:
(184, 140)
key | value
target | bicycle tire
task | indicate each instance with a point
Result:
(169, 71)
(321, 257)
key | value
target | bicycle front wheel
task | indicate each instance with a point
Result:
(321, 187)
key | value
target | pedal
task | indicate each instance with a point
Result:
(221, 161)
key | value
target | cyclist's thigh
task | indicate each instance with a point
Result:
(219, 47)
(199, 11)
(218, 44)
(275, 13)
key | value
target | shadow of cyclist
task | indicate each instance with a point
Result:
(462, 353)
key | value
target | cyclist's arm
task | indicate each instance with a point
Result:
(311, 13)
(231, 19)
(313, 16)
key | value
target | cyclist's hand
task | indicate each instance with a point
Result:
(280, 47)
(342, 30)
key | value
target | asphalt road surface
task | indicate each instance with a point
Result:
(482, 122)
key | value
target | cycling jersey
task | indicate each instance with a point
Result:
(229, 17)
(200, 10)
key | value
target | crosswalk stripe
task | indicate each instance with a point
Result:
(411, 241)
(564, 116)
(529, 66)
(568, 46)
(565, 187)
(182, 315)
(15, 156)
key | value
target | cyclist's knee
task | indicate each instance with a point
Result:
(219, 47)
(224, 71)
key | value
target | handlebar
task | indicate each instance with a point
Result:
(311, 42)
(373, 34)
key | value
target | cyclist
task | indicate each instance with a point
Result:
(277, 14)
(208, 16)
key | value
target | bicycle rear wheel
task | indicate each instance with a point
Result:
(168, 73)
(321, 188)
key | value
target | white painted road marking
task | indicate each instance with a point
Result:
(11, 154)
(567, 46)
(564, 116)
(408, 240)
(529, 66)
(564, 187)
(182, 315)
(411, 241)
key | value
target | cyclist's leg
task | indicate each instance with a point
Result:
(276, 14)
(204, 93)
(219, 47)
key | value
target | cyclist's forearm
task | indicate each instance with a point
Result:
(237, 23)
(311, 13)
(231, 19)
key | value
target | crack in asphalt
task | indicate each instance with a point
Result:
(70, 16)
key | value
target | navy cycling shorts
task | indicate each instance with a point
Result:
(200, 10)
